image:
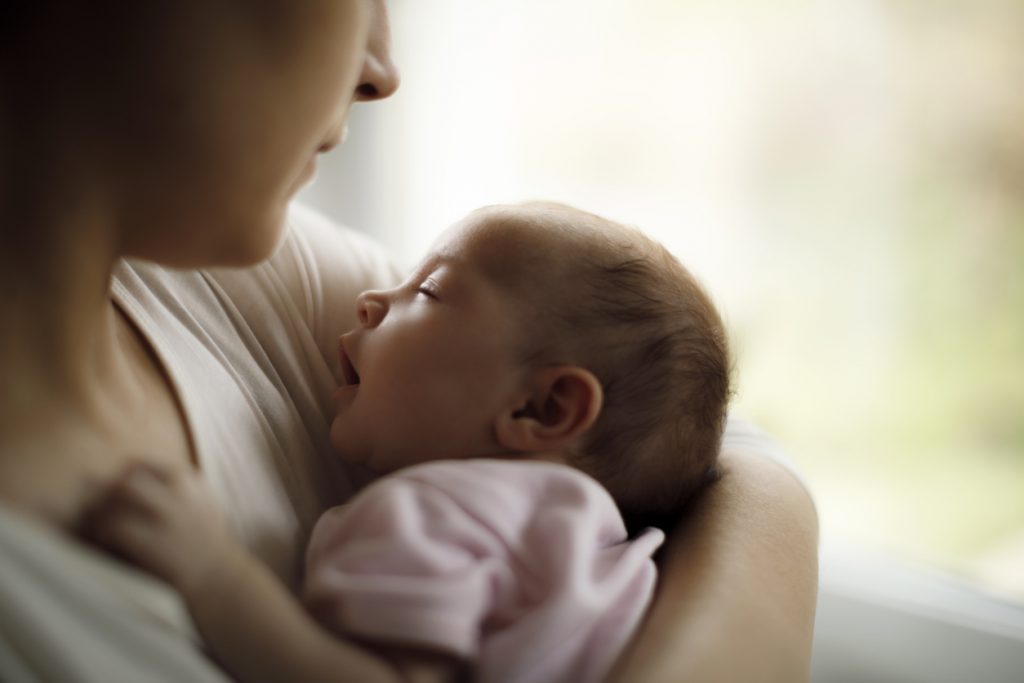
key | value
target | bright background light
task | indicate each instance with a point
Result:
(846, 177)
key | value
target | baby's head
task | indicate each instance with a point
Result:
(539, 330)
(604, 297)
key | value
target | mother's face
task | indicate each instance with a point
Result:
(220, 124)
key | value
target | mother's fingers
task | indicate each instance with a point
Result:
(141, 493)
(148, 487)
(119, 523)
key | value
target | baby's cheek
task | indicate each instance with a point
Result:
(341, 438)
(335, 433)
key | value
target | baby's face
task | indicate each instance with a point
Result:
(435, 360)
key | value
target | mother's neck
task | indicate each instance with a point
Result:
(61, 347)
(80, 384)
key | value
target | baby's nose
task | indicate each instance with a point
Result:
(371, 307)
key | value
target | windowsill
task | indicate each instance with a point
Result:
(880, 620)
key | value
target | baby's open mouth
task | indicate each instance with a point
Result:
(348, 371)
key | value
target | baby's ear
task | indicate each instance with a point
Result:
(558, 405)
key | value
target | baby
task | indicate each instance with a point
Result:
(545, 380)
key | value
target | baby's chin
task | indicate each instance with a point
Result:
(343, 447)
(378, 461)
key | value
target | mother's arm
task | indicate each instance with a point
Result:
(738, 584)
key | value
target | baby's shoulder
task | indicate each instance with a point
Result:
(486, 477)
(513, 495)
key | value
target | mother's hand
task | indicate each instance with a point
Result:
(166, 522)
(738, 587)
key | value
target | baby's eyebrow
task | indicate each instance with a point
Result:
(424, 267)
(432, 260)
(442, 258)
(443, 271)
(436, 261)
(427, 267)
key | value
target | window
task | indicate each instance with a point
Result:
(846, 177)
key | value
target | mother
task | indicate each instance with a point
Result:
(145, 148)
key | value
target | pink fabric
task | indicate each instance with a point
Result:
(522, 567)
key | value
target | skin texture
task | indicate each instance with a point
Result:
(436, 363)
(436, 367)
(115, 141)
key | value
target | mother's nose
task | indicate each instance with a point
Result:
(379, 78)
(371, 307)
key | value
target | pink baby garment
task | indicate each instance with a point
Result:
(523, 568)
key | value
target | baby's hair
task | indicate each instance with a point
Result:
(650, 334)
